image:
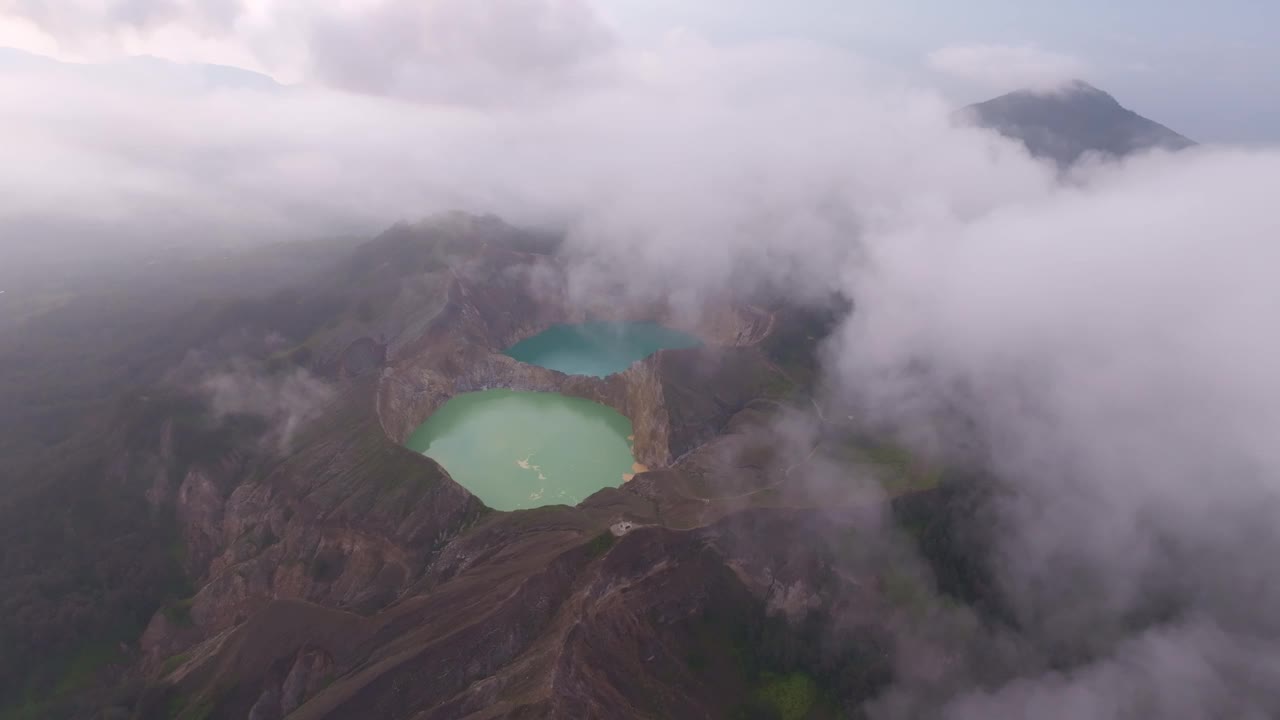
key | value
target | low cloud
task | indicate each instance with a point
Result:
(288, 400)
(457, 51)
(1104, 345)
(72, 20)
(440, 51)
(1004, 68)
(1107, 341)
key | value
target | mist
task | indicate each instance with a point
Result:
(1107, 335)
(287, 401)
(113, 159)
(1108, 343)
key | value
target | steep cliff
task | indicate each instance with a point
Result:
(602, 610)
(353, 522)
(347, 522)
(504, 297)
(341, 575)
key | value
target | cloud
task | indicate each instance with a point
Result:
(455, 50)
(1105, 337)
(1003, 68)
(77, 21)
(288, 401)
(443, 51)
(146, 161)
(1182, 673)
(1103, 344)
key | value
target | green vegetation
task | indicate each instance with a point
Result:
(907, 473)
(174, 663)
(791, 696)
(91, 658)
(946, 527)
(793, 347)
(34, 710)
(72, 672)
(905, 590)
(601, 544)
(783, 670)
(177, 551)
(780, 387)
(199, 708)
(179, 612)
(901, 472)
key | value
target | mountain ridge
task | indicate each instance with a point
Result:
(147, 69)
(1071, 121)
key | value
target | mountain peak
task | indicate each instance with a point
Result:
(1072, 120)
(1071, 92)
(1082, 87)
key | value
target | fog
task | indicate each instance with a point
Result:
(1108, 335)
(286, 400)
(1109, 343)
(996, 68)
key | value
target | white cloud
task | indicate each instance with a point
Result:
(1111, 339)
(22, 34)
(78, 18)
(1104, 344)
(1003, 68)
(455, 51)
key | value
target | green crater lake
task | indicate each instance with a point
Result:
(598, 348)
(518, 450)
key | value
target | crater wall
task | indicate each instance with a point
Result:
(513, 296)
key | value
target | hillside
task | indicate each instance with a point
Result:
(1064, 124)
(712, 587)
(222, 575)
(224, 570)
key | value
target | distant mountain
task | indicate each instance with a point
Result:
(1064, 124)
(206, 75)
(144, 70)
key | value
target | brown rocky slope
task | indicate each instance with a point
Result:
(354, 579)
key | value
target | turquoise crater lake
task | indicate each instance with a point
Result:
(598, 349)
(519, 450)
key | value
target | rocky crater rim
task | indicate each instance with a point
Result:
(511, 297)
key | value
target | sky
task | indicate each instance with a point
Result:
(1106, 333)
(1204, 69)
